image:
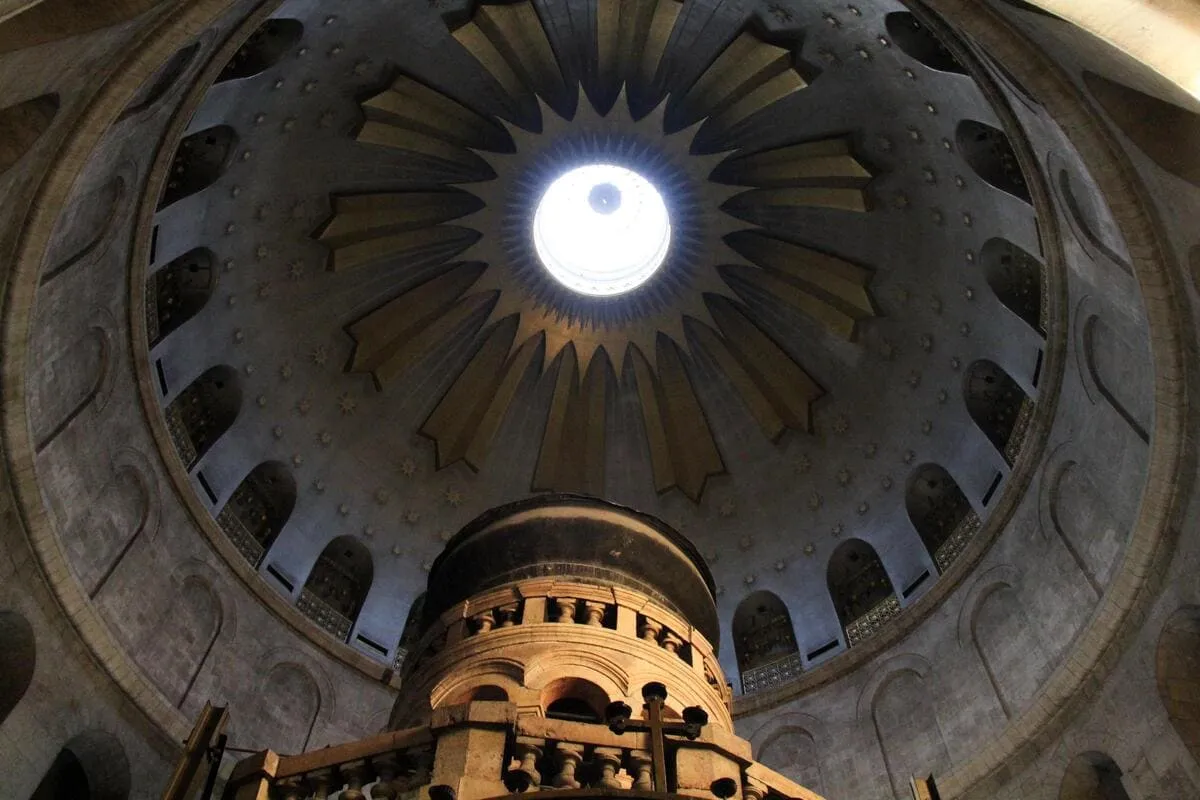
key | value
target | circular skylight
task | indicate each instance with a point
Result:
(601, 230)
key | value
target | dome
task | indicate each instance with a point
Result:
(882, 310)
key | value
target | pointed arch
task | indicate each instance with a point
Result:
(861, 590)
(258, 509)
(1015, 277)
(990, 154)
(763, 638)
(337, 586)
(940, 512)
(178, 291)
(203, 411)
(998, 406)
(202, 157)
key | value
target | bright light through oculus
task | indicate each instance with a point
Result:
(601, 229)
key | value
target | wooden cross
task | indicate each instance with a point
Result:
(619, 717)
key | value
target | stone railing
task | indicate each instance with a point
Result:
(956, 542)
(1016, 437)
(250, 548)
(180, 436)
(488, 749)
(152, 328)
(781, 670)
(872, 621)
(535, 602)
(325, 615)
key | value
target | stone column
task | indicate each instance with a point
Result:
(569, 756)
(650, 630)
(643, 768)
(610, 764)
(595, 613)
(566, 609)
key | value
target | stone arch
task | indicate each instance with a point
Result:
(265, 47)
(178, 291)
(203, 412)
(998, 406)
(574, 699)
(920, 43)
(1145, 120)
(52, 20)
(993, 621)
(860, 589)
(289, 702)
(1079, 514)
(792, 749)
(990, 154)
(18, 657)
(488, 692)
(1109, 362)
(77, 377)
(1015, 277)
(762, 632)
(126, 508)
(1177, 670)
(1092, 776)
(337, 586)
(940, 512)
(22, 124)
(910, 744)
(505, 673)
(92, 217)
(91, 766)
(258, 509)
(202, 157)
(609, 676)
(162, 81)
(177, 647)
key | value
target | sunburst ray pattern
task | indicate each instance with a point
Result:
(628, 110)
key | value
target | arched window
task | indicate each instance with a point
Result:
(940, 512)
(201, 158)
(91, 766)
(998, 406)
(1092, 776)
(919, 42)
(258, 509)
(269, 43)
(574, 699)
(1016, 278)
(989, 152)
(763, 637)
(203, 411)
(337, 586)
(177, 292)
(861, 590)
(1178, 673)
(18, 656)
(21, 125)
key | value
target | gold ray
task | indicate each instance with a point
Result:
(369, 216)
(693, 449)
(428, 339)
(412, 105)
(446, 241)
(747, 65)
(818, 161)
(661, 463)
(386, 134)
(648, 48)
(841, 198)
(758, 404)
(397, 322)
(455, 424)
(768, 93)
(790, 390)
(572, 452)
(501, 399)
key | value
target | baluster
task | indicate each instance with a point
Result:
(595, 613)
(525, 775)
(671, 643)
(569, 756)
(291, 788)
(566, 609)
(386, 767)
(484, 622)
(753, 789)
(354, 773)
(610, 764)
(421, 757)
(508, 615)
(320, 780)
(650, 630)
(643, 768)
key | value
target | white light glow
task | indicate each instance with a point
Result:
(601, 229)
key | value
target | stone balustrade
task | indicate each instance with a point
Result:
(325, 615)
(779, 671)
(873, 620)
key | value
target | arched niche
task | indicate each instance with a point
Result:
(90, 766)
(1082, 517)
(177, 292)
(487, 692)
(909, 747)
(940, 512)
(18, 657)
(990, 154)
(1118, 373)
(410, 636)
(762, 634)
(202, 157)
(1092, 776)
(793, 752)
(1177, 670)
(85, 224)
(337, 586)
(21, 125)
(998, 406)
(203, 412)
(161, 81)
(574, 699)
(52, 20)
(258, 509)
(288, 703)
(1167, 134)
(265, 47)
(860, 588)
(919, 43)
(177, 647)
(1008, 648)
(121, 512)
(1015, 277)
(67, 383)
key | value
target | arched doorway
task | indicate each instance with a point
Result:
(940, 512)
(764, 641)
(861, 590)
(337, 586)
